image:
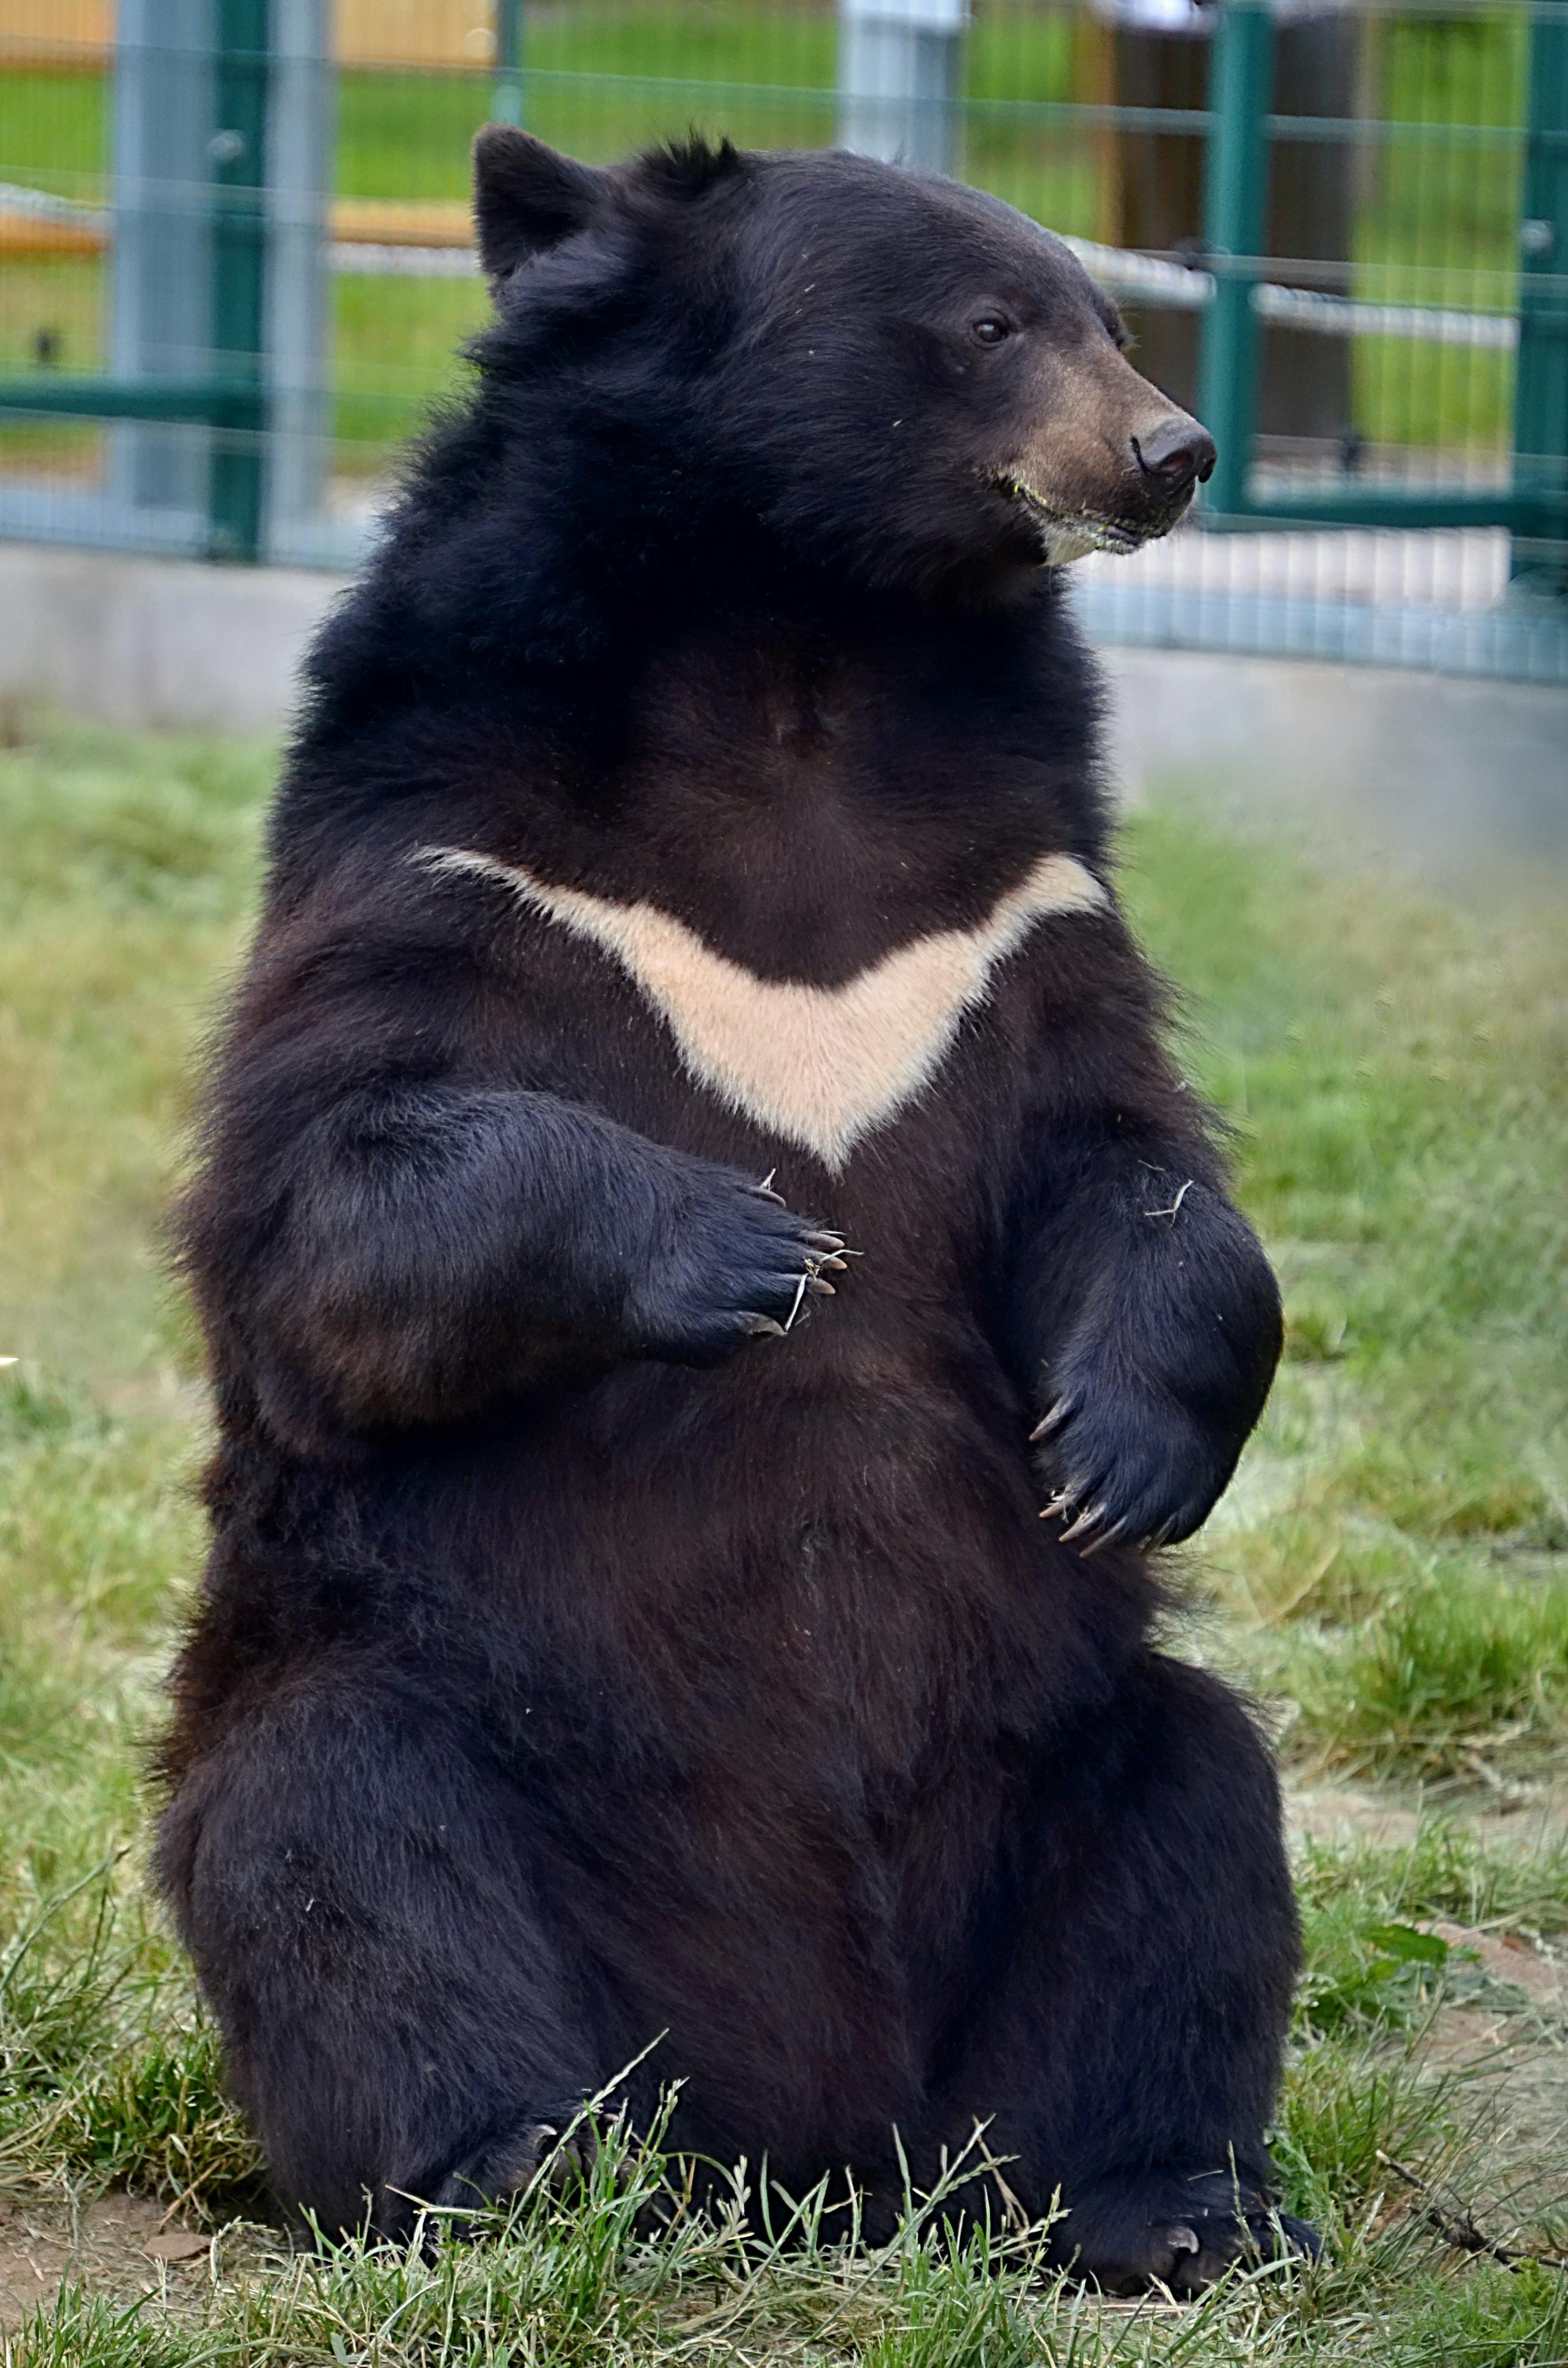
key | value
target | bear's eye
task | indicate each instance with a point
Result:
(990, 330)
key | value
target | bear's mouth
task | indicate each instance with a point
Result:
(1067, 535)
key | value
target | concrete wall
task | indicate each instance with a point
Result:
(1450, 774)
(1459, 780)
(156, 645)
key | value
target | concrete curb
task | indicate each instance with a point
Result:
(1446, 771)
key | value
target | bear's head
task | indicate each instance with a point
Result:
(881, 371)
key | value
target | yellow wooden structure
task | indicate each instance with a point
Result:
(354, 222)
(365, 32)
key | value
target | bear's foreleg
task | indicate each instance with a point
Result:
(409, 1254)
(1147, 1314)
(353, 1887)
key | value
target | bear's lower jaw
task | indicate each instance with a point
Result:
(1063, 537)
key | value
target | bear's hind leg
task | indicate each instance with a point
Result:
(1129, 2043)
(355, 1889)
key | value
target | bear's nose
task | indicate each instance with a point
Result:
(1176, 452)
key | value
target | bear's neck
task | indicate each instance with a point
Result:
(733, 718)
(803, 793)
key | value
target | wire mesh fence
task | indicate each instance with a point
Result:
(235, 262)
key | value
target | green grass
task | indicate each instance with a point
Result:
(1388, 1572)
(1395, 1556)
(54, 129)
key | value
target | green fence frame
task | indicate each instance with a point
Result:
(1235, 200)
(1540, 404)
(1535, 509)
(1238, 127)
(239, 273)
(233, 399)
(507, 102)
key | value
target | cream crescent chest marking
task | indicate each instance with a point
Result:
(819, 1066)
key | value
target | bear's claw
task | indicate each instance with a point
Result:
(1060, 1413)
(1128, 1468)
(736, 1266)
(537, 2155)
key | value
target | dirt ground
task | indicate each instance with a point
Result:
(1506, 2024)
(120, 2245)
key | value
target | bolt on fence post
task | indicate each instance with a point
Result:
(238, 154)
(1235, 200)
(1541, 385)
(507, 100)
(901, 80)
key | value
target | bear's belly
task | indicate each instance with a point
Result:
(813, 1641)
(838, 1529)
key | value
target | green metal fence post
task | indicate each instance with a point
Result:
(236, 492)
(506, 101)
(1541, 388)
(1235, 198)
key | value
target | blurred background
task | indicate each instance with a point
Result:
(236, 261)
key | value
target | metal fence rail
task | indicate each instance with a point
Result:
(235, 262)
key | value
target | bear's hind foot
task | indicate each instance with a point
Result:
(1127, 2235)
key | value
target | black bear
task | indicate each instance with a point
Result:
(626, 1616)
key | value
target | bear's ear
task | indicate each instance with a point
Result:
(526, 197)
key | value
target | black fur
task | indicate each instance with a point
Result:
(572, 1665)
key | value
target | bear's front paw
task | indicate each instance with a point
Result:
(735, 1264)
(1131, 1463)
